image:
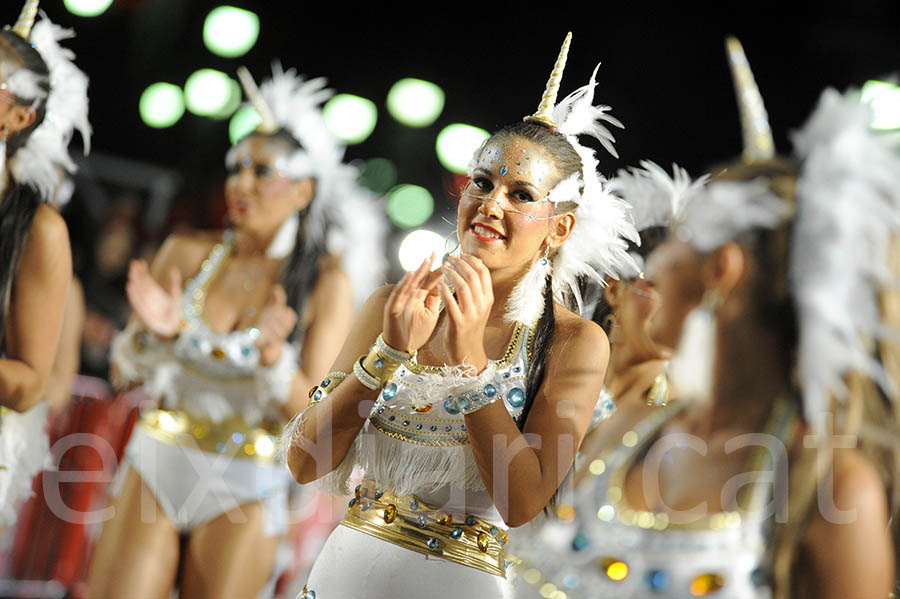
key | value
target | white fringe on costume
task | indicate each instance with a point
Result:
(24, 451)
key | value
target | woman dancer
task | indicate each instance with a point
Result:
(43, 99)
(636, 381)
(774, 272)
(232, 353)
(467, 410)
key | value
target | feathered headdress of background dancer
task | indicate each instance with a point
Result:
(36, 163)
(598, 246)
(343, 216)
(653, 197)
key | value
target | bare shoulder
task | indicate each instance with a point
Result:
(332, 279)
(185, 251)
(48, 229)
(48, 242)
(857, 483)
(577, 341)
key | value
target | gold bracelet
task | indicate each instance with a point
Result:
(365, 377)
(329, 383)
(380, 365)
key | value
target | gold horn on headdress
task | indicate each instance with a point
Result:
(26, 19)
(268, 125)
(544, 112)
(758, 143)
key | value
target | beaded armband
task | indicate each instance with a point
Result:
(477, 393)
(329, 383)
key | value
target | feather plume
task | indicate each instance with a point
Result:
(46, 150)
(344, 216)
(848, 210)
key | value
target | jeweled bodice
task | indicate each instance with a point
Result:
(613, 550)
(220, 355)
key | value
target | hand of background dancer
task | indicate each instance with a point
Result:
(468, 310)
(412, 309)
(158, 309)
(276, 322)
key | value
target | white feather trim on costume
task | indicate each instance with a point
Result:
(46, 149)
(24, 451)
(848, 210)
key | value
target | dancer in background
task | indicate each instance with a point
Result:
(232, 353)
(43, 99)
(467, 410)
(772, 284)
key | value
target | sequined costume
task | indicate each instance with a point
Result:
(422, 509)
(612, 550)
(218, 417)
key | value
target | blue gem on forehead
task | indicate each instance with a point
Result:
(413, 504)
(456, 533)
(422, 521)
(503, 170)
(432, 543)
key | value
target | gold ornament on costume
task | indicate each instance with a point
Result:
(25, 22)
(269, 125)
(544, 114)
(758, 143)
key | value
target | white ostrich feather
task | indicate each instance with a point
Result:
(725, 210)
(598, 246)
(36, 163)
(654, 196)
(24, 451)
(848, 210)
(344, 216)
(526, 302)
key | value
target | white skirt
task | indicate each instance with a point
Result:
(354, 564)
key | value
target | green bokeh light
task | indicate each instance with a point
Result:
(456, 143)
(161, 105)
(350, 117)
(87, 8)
(243, 123)
(230, 31)
(884, 97)
(409, 206)
(212, 93)
(415, 103)
(378, 175)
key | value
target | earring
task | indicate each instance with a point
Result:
(455, 250)
(526, 302)
(692, 366)
(612, 326)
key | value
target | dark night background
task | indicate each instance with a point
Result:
(665, 78)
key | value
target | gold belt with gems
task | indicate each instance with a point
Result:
(232, 436)
(408, 522)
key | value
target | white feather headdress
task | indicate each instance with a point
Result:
(36, 163)
(848, 212)
(598, 246)
(344, 216)
(653, 196)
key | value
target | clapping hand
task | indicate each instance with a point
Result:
(158, 308)
(468, 310)
(412, 309)
(276, 322)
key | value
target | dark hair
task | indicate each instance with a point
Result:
(298, 277)
(31, 61)
(17, 210)
(651, 238)
(20, 202)
(567, 162)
